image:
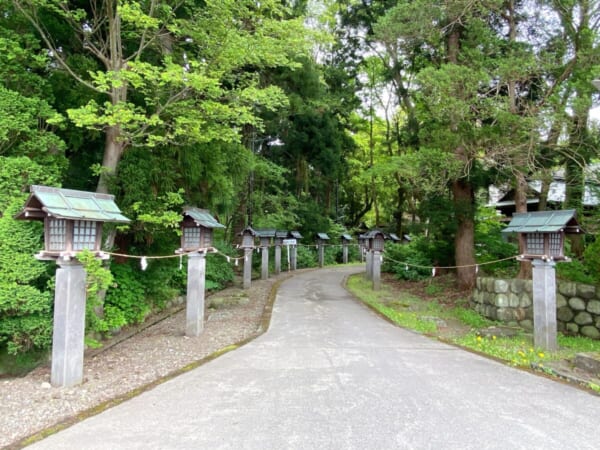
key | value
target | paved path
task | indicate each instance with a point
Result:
(330, 374)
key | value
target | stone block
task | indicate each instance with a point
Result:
(513, 300)
(506, 314)
(491, 312)
(593, 306)
(577, 304)
(573, 328)
(564, 314)
(501, 301)
(489, 284)
(583, 318)
(586, 291)
(590, 331)
(526, 324)
(560, 300)
(525, 300)
(590, 362)
(567, 289)
(500, 287)
(561, 326)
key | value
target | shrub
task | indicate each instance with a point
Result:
(403, 262)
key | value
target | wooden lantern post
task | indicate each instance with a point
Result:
(196, 240)
(72, 223)
(542, 236)
(292, 245)
(247, 244)
(376, 240)
(278, 242)
(346, 239)
(322, 239)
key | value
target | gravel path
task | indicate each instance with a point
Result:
(29, 405)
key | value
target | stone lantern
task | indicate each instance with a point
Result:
(72, 220)
(363, 246)
(322, 240)
(376, 244)
(292, 244)
(247, 244)
(345, 239)
(541, 235)
(197, 230)
(278, 242)
(72, 223)
(265, 237)
(248, 235)
(196, 240)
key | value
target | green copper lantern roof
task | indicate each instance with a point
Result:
(202, 217)
(70, 204)
(544, 222)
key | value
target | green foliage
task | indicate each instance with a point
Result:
(592, 261)
(407, 262)
(306, 257)
(25, 305)
(577, 271)
(98, 317)
(219, 271)
(125, 301)
(471, 318)
(491, 245)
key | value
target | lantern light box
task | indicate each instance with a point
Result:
(72, 219)
(248, 235)
(265, 236)
(542, 233)
(345, 238)
(322, 238)
(376, 240)
(279, 237)
(197, 229)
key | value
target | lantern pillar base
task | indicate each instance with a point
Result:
(194, 312)
(345, 253)
(321, 255)
(544, 305)
(369, 263)
(247, 268)
(264, 272)
(69, 324)
(376, 270)
(277, 259)
(293, 257)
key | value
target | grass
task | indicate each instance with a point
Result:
(419, 313)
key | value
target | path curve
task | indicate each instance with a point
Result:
(331, 374)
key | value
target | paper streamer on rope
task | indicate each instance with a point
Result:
(144, 263)
(180, 262)
(228, 259)
(236, 261)
(433, 272)
(476, 269)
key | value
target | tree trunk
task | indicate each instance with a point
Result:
(113, 151)
(464, 241)
(525, 268)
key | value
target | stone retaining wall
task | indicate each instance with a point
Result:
(511, 301)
